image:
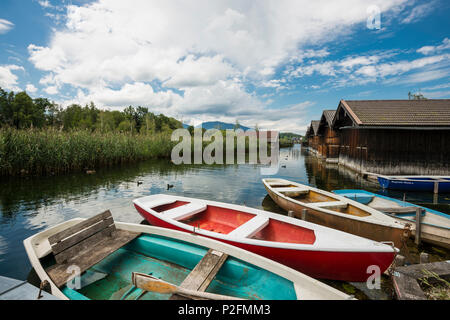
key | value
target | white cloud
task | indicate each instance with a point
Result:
(5, 26)
(52, 90)
(8, 80)
(45, 4)
(419, 12)
(208, 52)
(431, 49)
(31, 88)
(137, 94)
(360, 70)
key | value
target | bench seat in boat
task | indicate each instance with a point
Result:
(278, 183)
(185, 211)
(158, 202)
(250, 228)
(292, 189)
(333, 204)
(84, 245)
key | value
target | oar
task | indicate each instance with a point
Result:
(150, 283)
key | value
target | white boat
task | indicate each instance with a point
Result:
(116, 260)
(334, 211)
(317, 251)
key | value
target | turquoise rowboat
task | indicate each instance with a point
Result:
(107, 268)
(435, 225)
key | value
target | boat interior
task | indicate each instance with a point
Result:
(316, 199)
(235, 223)
(177, 262)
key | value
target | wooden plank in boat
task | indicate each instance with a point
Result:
(78, 227)
(204, 272)
(335, 204)
(85, 244)
(158, 202)
(250, 228)
(90, 256)
(183, 212)
(63, 245)
(292, 190)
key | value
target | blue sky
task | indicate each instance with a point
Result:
(274, 63)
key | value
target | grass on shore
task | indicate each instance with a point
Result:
(50, 151)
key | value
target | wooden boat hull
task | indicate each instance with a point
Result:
(169, 254)
(366, 229)
(414, 184)
(435, 225)
(324, 264)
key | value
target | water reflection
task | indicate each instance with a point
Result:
(29, 205)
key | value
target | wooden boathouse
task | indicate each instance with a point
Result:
(385, 136)
(395, 136)
(328, 137)
(311, 135)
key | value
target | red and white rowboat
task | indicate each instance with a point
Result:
(315, 250)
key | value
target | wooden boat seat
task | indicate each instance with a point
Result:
(186, 211)
(292, 189)
(279, 183)
(84, 245)
(204, 272)
(158, 202)
(250, 228)
(333, 204)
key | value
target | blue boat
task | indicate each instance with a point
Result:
(125, 263)
(435, 225)
(436, 184)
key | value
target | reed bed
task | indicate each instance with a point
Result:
(50, 151)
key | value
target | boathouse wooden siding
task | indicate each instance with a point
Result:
(328, 137)
(394, 136)
(393, 151)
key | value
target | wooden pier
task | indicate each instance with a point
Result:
(406, 278)
(13, 289)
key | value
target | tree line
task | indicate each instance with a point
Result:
(20, 111)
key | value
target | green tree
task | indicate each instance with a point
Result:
(23, 110)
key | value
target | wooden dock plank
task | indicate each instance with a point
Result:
(407, 288)
(441, 268)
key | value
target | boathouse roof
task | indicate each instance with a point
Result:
(315, 126)
(329, 116)
(394, 113)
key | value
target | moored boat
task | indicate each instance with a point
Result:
(334, 211)
(100, 259)
(435, 225)
(315, 250)
(416, 183)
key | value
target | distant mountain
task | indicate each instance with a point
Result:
(185, 126)
(219, 125)
(289, 135)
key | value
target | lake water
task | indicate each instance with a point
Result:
(30, 205)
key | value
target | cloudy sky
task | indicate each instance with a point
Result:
(277, 63)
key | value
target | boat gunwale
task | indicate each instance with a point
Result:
(312, 288)
(367, 244)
